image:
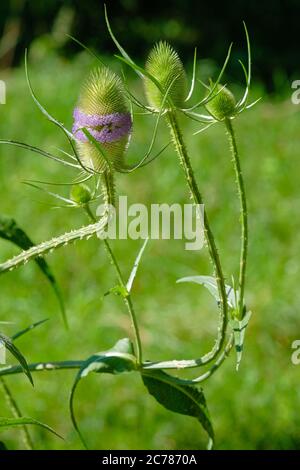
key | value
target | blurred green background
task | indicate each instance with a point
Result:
(255, 408)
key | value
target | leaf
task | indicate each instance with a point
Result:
(120, 48)
(135, 266)
(29, 328)
(8, 422)
(211, 284)
(182, 399)
(68, 134)
(17, 354)
(141, 71)
(3, 446)
(116, 360)
(37, 150)
(86, 48)
(99, 147)
(211, 94)
(193, 76)
(9, 230)
(239, 330)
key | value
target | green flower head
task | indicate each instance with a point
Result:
(222, 105)
(80, 193)
(166, 67)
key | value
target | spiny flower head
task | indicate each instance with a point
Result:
(80, 193)
(222, 105)
(165, 65)
(102, 110)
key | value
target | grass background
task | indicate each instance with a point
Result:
(253, 409)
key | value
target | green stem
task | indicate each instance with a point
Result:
(128, 303)
(50, 245)
(16, 412)
(213, 252)
(244, 214)
(109, 199)
(42, 366)
(146, 367)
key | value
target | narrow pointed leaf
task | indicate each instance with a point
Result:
(67, 133)
(119, 47)
(10, 231)
(38, 150)
(135, 266)
(12, 422)
(17, 354)
(87, 49)
(99, 147)
(211, 284)
(116, 360)
(248, 73)
(212, 90)
(143, 71)
(193, 76)
(182, 399)
(29, 328)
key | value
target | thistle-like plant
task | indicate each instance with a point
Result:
(103, 120)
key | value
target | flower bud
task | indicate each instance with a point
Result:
(222, 105)
(80, 193)
(165, 65)
(102, 110)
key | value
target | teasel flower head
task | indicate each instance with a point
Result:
(102, 112)
(166, 67)
(222, 105)
(80, 194)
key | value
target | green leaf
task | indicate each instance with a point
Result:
(9, 230)
(119, 47)
(29, 328)
(144, 72)
(86, 49)
(183, 399)
(8, 422)
(211, 284)
(3, 446)
(37, 150)
(193, 76)
(68, 134)
(239, 330)
(135, 266)
(17, 354)
(99, 147)
(116, 360)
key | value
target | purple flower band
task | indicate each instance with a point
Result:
(104, 128)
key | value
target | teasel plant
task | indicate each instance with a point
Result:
(91, 166)
(166, 91)
(99, 142)
(99, 138)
